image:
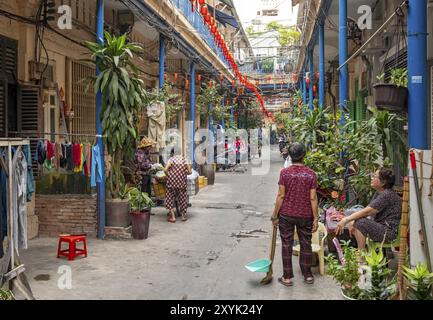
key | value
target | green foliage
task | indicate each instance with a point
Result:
(288, 35)
(6, 295)
(209, 95)
(399, 77)
(347, 273)
(388, 127)
(376, 283)
(123, 95)
(267, 65)
(173, 101)
(138, 200)
(420, 282)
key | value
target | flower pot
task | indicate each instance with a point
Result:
(390, 97)
(117, 213)
(346, 297)
(140, 224)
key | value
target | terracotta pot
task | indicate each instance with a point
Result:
(140, 224)
(390, 97)
(117, 213)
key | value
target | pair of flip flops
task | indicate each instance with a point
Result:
(309, 280)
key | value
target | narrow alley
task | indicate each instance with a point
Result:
(203, 258)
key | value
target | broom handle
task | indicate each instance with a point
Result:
(420, 209)
(403, 235)
(273, 244)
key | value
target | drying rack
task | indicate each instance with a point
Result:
(11, 269)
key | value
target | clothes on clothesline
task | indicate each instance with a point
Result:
(97, 169)
(22, 190)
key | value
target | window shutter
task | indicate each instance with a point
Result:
(3, 108)
(8, 59)
(30, 116)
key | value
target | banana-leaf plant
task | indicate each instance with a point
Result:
(123, 94)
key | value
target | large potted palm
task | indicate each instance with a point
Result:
(122, 93)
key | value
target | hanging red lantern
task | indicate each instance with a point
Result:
(201, 2)
(314, 89)
(213, 30)
(212, 21)
(203, 10)
(207, 18)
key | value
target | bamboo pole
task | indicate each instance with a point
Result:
(403, 239)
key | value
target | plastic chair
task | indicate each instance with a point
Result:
(317, 244)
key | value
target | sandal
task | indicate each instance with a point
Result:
(285, 283)
(171, 220)
(184, 218)
(309, 280)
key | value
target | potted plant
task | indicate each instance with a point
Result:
(345, 270)
(122, 95)
(392, 96)
(140, 212)
(6, 295)
(420, 282)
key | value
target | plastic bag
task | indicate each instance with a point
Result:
(194, 175)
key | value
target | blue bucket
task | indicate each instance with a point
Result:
(261, 265)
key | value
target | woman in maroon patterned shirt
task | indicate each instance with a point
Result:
(296, 206)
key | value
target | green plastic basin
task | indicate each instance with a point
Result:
(261, 265)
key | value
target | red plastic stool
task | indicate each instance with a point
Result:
(72, 252)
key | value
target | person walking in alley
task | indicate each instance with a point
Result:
(177, 171)
(296, 206)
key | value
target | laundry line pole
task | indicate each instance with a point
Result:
(100, 187)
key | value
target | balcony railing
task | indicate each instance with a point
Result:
(197, 21)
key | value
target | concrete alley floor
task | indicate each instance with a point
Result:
(198, 259)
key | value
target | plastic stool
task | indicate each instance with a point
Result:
(72, 252)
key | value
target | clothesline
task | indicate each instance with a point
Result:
(56, 134)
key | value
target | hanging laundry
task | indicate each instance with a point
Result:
(78, 158)
(57, 155)
(30, 177)
(70, 157)
(48, 163)
(87, 155)
(63, 160)
(40, 153)
(19, 205)
(3, 207)
(97, 168)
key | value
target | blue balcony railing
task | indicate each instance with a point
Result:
(197, 21)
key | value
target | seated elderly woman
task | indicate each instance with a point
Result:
(385, 208)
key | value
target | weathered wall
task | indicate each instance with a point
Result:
(66, 214)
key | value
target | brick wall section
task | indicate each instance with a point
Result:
(66, 214)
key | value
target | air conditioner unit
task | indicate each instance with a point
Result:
(40, 71)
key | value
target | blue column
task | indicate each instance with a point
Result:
(311, 95)
(304, 87)
(210, 117)
(417, 75)
(161, 60)
(100, 187)
(322, 65)
(344, 75)
(222, 118)
(192, 106)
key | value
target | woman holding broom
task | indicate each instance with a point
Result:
(296, 206)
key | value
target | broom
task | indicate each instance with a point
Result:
(403, 241)
(268, 278)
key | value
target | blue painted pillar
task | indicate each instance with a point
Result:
(304, 87)
(322, 65)
(311, 94)
(210, 117)
(344, 74)
(417, 75)
(161, 60)
(222, 118)
(100, 187)
(192, 110)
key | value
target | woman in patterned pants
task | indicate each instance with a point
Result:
(177, 170)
